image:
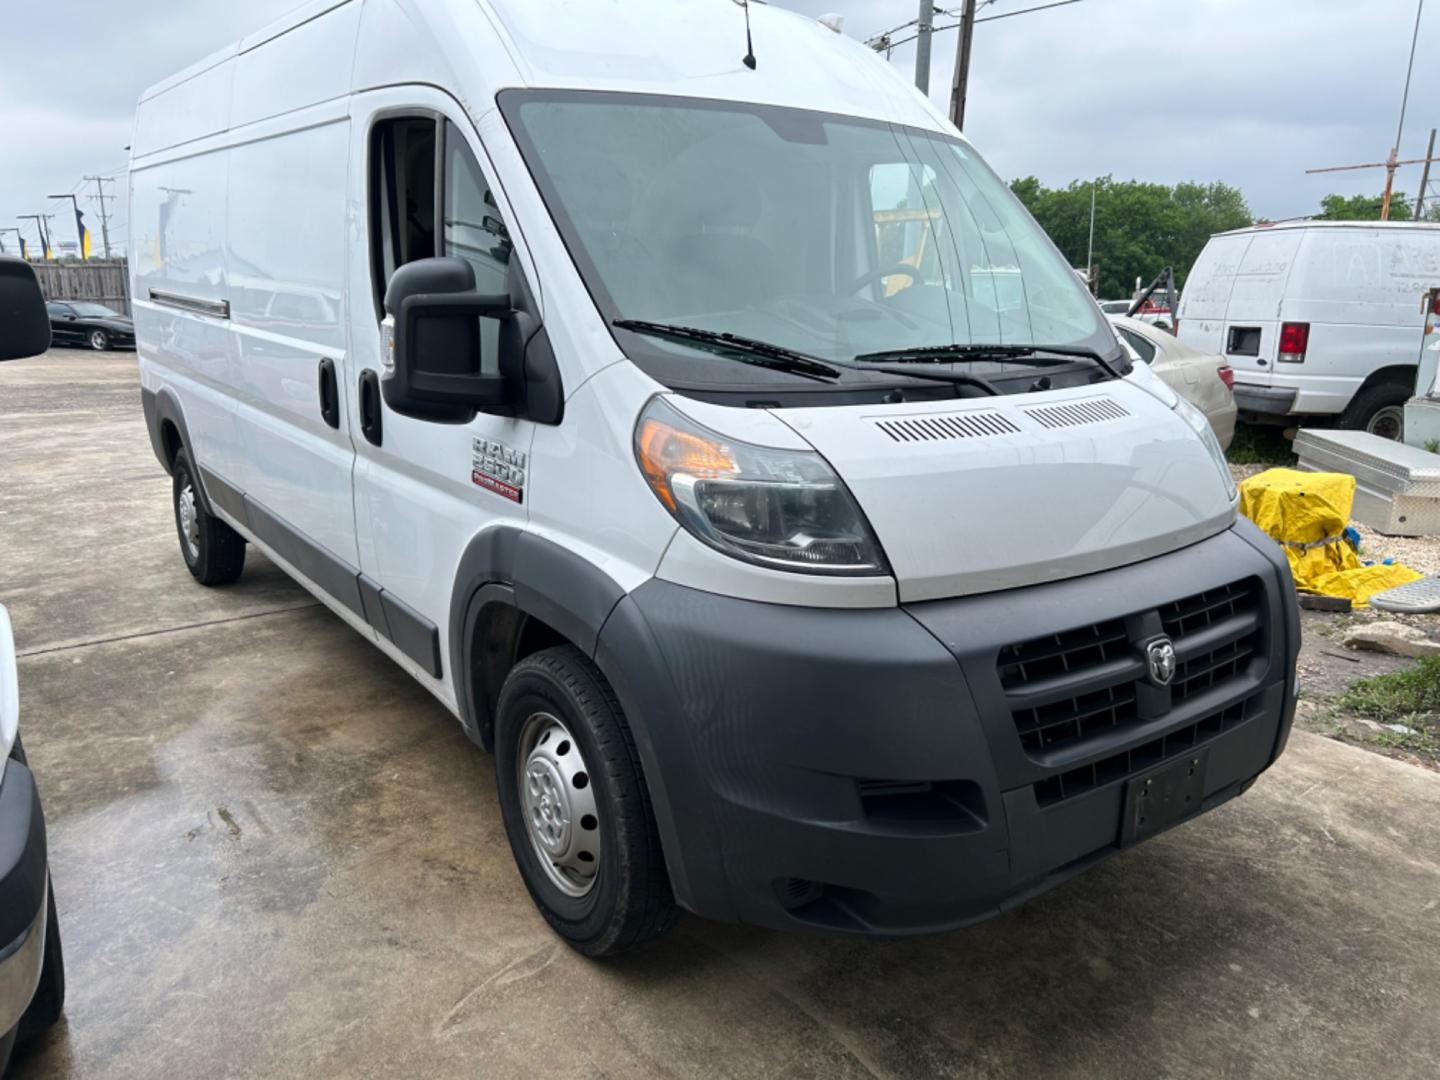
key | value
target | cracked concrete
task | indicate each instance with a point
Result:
(275, 855)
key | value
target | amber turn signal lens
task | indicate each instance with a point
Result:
(665, 451)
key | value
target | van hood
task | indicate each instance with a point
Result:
(988, 494)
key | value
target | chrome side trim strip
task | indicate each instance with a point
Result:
(220, 309)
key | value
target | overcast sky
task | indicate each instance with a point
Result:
(1251, 92)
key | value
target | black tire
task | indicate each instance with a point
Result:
(99, 340)
(49, 1000)
(213, 551)
(630, 900)
(1378, 409)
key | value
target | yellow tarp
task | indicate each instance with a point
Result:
(1307, 513)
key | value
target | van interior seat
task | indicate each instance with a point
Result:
(714, 255)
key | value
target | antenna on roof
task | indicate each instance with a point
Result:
(749, 45)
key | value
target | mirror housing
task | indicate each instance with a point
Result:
(433, 367)
(24, 322)
(434, 351)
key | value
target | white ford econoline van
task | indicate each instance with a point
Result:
(1317, 318)
(803, 559)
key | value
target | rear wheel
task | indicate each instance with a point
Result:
(575, 805)
(1379, 410)
(214, 552)
(99, 340)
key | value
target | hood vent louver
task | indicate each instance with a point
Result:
(1077, 413)
(972, 425)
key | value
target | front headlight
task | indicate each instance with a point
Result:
(784, 509)
(1201, 426)
(9, 691)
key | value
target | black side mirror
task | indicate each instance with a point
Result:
(454, 352)
(436, 369)
(24, 322)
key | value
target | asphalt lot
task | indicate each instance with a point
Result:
(274, 855)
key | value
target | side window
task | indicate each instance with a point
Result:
(57, 311)
(402, 196)
(430, 197)
(1140, 345)
(475, 233)
(473, 229)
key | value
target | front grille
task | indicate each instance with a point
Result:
(1217, 607)
(1127, 763)
(1085, 685)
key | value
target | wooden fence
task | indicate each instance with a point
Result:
(103, 282)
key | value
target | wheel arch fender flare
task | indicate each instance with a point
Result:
(162, 408)
(1393, 374)
(506, 572)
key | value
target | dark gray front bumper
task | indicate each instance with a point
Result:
(863, 771)
(23, 883)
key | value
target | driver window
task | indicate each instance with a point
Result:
(475, 232)
(905, 224)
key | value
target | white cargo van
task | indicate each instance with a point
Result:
(791, 577)
(1317, 318)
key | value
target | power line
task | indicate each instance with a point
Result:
(885, 43)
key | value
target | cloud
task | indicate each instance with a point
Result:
(1249, 92)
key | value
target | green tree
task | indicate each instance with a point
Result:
(1140, 228)
(1365, 207)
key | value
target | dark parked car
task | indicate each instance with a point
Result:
(81, 322)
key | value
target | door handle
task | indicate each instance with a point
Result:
(370, 423)
(329, 394)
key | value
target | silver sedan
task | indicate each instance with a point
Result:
(1203, 379)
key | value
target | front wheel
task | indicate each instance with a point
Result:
(99, 341)
(1379, 410)
(576, 808)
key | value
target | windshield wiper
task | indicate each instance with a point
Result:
(1026, 354)
(747, 350)
(958, 378)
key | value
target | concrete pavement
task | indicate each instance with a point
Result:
(275, 855)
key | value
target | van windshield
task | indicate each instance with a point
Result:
(828, 235)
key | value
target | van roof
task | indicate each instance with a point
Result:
(681, 47)
(1279, 226)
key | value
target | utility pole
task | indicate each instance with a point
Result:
(1425, 178)
(100, 197)
(924, 34)
(962, 65)
(79, 226)
(40, 220)
(1404, 101)
(1393, 162)
(1090, 250)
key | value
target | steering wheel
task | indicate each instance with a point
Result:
(873, 276)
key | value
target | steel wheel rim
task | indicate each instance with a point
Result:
(1388, 423)
(189, 520)
(97, 340)
(557, 802)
